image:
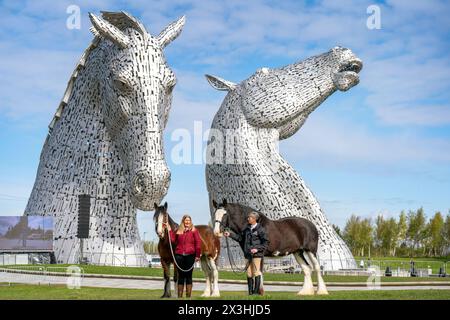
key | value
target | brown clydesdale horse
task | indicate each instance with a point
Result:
(292, 235)
(210, 252)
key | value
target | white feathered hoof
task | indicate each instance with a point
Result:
(306, 292)
(206, 294)
(322, 292)
(215, 294)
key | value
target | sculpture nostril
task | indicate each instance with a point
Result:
(139, 184)
(149, 185)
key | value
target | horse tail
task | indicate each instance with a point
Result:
(261, 290)
(302, 252)
(204, 263)
(215, 254)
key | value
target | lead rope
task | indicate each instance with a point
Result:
(232, 263)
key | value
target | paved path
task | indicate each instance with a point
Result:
(158, 284)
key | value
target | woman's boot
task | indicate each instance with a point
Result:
(180, 290)
(188, 290)
(257, 285)
(250, 286)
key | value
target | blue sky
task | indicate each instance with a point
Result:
(379, 148)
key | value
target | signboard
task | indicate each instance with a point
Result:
(26, 233)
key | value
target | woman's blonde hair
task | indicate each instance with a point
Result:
(181, 228)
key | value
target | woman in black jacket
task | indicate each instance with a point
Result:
(254, 241)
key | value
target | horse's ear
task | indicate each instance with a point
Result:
(224, 202)
(103, 28)
(155, 205)
(219, 83)
(171, 32)
(214, 204)
(165, 205)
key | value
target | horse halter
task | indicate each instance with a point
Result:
(222, 223)
(164, 220)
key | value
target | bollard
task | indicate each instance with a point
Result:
(388, 272)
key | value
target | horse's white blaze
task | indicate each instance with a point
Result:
(160, 224)
(218, 216)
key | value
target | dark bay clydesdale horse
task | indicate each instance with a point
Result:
(287, 235)
(210, 253)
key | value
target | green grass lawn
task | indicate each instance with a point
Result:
(34, 292)
(158, 272)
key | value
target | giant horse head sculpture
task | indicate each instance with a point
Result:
(282, 98)
(271, 105)
(135, 88)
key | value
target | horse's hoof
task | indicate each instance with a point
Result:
(307, 292)
(204, 295)
(322, 292)
(215, 294)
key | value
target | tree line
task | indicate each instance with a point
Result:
(410, 235)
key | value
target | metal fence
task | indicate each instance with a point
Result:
(25, 258)
(398, 268)
(422, 267)
(42, 275)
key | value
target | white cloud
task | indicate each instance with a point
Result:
(331, 141)
(419, 115)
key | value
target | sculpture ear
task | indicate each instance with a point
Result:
(220, 84)
(102, 28)
(214, 204)
(155, 205)
(165, 205)
(171, 32)
(224, 202)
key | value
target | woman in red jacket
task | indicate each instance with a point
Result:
(187, 252)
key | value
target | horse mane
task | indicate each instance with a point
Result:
(171, 221)
(122, 21)
(246, 209)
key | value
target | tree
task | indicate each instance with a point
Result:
(436, 228)
(386, 234)
(416, 228)
(151, 247)
(379, 234)
(446, 234)
(402, 229)
(366, 235)
(351, 232)
(337, 229)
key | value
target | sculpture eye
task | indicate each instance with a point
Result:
(123, 86)
(170, 88)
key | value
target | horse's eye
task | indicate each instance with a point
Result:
(123, 86)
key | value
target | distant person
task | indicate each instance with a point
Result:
(255, 242)
(361, 264)
(187, 252)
